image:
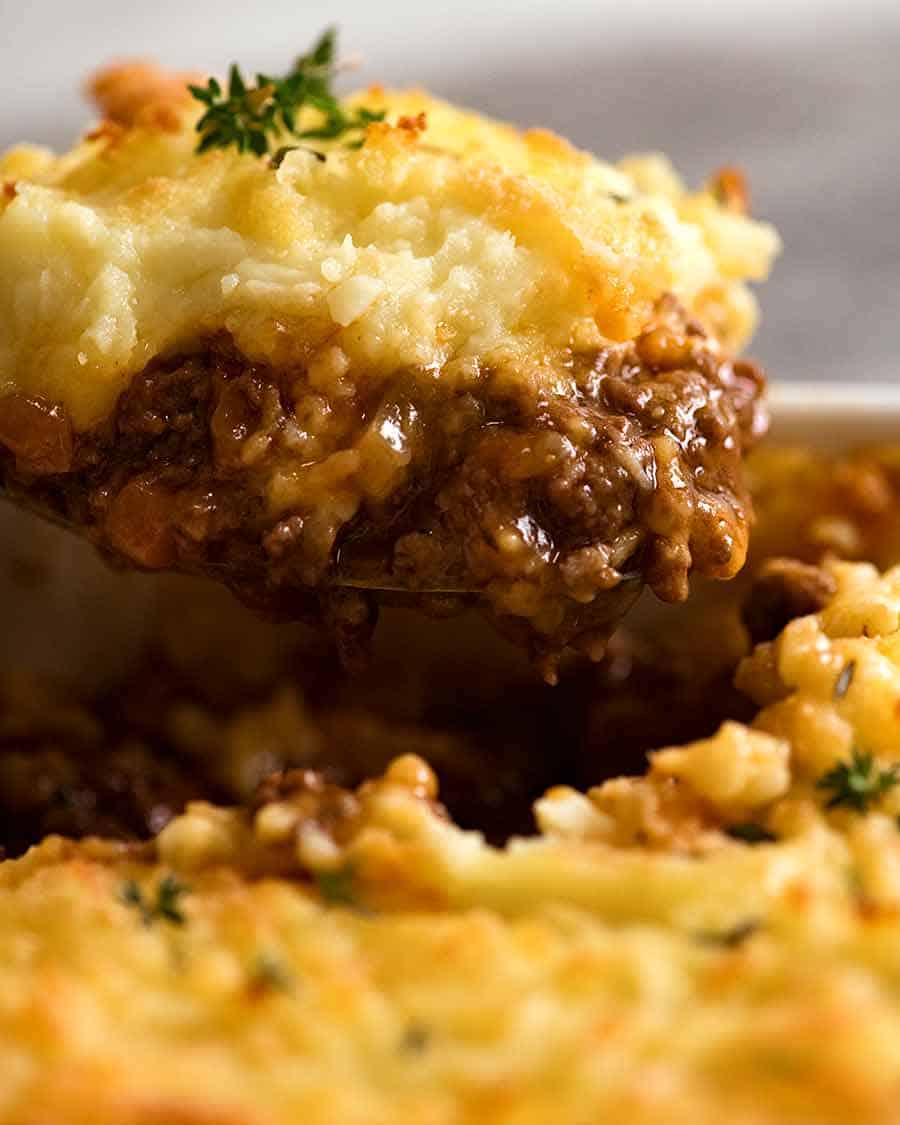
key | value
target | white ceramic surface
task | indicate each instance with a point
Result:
(831, 416)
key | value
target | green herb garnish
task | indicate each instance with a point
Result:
(166, 905)
(750, 833)
(250, 117)
(336, 887)
(845, 679)
(168, 894)
(732, 938)
(277, 158)
(858, 783)
(415, 1039)
(268, 974)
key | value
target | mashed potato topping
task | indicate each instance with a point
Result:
(717, 940)
(445, 238)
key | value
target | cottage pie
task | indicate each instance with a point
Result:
(452, 359)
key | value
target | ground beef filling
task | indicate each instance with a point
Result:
(299, 487)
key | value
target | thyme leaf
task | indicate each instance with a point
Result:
(416, 1038)
(268, 974)
(750, 833)
(165, 906)
(250, 117)
(845, 679)
(336, 887)
(732, 938)
(858, 783)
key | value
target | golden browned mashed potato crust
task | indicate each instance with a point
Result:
(264, 1006)
(635, 961)
(461, 239)
(140, 92)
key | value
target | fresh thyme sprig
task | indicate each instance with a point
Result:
(251, 117)
(730, 938)
(859, 782)
(167, 905)
(750, 833)
(845, 679)
(336, 887)
(268, 974)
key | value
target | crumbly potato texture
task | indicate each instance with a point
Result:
(448, 239)
(717, 939)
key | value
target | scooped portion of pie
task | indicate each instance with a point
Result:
(382, 344)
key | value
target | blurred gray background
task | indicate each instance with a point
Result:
(805, 96)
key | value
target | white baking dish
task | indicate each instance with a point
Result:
(832, 416)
